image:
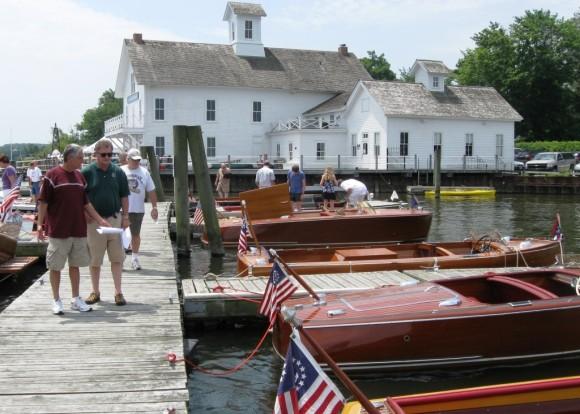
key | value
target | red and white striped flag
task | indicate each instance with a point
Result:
(8, 202)
(243, 240)
(198, 215)
(279, 288)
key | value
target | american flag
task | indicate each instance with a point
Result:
(304, 387)
(556, 232)
(243, 240)
(6, 206)
(279, 288)
(198, 215)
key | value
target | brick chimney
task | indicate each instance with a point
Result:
(138, 38)
(343, 50)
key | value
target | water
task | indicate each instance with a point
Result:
(253, 388)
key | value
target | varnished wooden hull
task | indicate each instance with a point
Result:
(445, 255)
(408, 328)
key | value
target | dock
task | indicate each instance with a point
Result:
(110, 360)
(238, 297)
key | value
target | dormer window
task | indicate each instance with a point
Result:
(248, 30)
(435, 81)
(233, 32)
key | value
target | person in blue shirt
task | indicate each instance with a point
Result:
(296, 185)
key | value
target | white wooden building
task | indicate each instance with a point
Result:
(318, 108)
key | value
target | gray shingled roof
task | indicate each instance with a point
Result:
(434, 66)
(249, 9)
(336, 102)
(457, 102)
(198, 64)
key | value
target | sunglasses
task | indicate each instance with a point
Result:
(106, 154)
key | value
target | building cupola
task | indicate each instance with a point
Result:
(431, 73)
(244, 27)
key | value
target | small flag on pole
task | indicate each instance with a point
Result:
(243, 240)
(304, 387)
(198, 215)
(8, 201)
(414, 202)
(556, 232)
(279, 288)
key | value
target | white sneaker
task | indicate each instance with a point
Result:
(57, 308)
(79, 304)
(135, 264)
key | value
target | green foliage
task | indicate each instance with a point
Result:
(93, 123)
(535, 65)
(549, 146)
(20, 151)
(405, 75)
(377, 66)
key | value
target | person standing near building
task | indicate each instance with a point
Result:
(265, 176)
(222, 181)
(356, 191)
(108, 192)
(9, 176)
(140, 183)
(296, 186)
(63, 203)
(328, 182)
(34, 176)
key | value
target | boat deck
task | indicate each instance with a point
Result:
(110, 360)
(231, 297)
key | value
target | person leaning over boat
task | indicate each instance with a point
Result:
(296, 186)
(34, 176)
(9, 176)
(327, 182)
(265, 176)
(140, 183)
(222, 181)
(63, 203)
(356, 191)
(108, 191)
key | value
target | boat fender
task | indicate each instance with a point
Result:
(455, 301)
(336, 312)
(409, 283)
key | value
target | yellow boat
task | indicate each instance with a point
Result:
(463, 192)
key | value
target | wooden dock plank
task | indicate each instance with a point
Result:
(110, 360)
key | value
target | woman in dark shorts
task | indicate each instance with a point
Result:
(327, 182)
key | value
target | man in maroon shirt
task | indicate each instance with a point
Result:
(63, 203)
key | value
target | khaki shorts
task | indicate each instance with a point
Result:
(101, 243)
(74, 249)
(135, 221)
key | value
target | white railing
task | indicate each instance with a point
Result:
(304, 123)
(114, 124)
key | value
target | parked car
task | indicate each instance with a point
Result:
(523, 155)
(577, 157)
(519, 166)
(576, 170)
(552, 161)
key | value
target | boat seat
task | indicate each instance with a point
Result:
(374, 253)
(530, 288)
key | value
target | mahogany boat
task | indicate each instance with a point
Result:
(546, 396)
(482, 253)
(484, 319)
(275, 225)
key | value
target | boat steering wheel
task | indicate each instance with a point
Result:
(482, 245)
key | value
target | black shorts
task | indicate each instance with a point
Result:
(135, 220)
(295, 197)
(329, 196)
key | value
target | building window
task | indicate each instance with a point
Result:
(499, 145)
(320, 150)
(210, 110)
(468, 145)
(404, 144)
(278, 150)
(160, 146)
(257, 112)
(132, 83)
(365, 148)
(159, 109)
(377, 143)
(437, 140)
(233, 32)
(435, 81)
(364, 105)
(210, 147)
(353, 144)
(290, 151)
(248, 30)
(331, 119)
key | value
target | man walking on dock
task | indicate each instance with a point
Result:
(140, 183)
(265, 176)
(108, 191)
(63, 203)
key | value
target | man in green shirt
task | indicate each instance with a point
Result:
(108, 192)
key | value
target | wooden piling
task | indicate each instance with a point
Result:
(437, 170)
(181, 190)
(205, 190)
(149, 153)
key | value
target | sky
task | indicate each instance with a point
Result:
(58, 56)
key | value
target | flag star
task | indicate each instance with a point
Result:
(301, 383)
(302, 369)
(303, 376)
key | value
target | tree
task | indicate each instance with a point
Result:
(377, 66)
(405, 75)
(93, 123)
(535, 66)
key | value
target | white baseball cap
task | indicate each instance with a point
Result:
(134, 154)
